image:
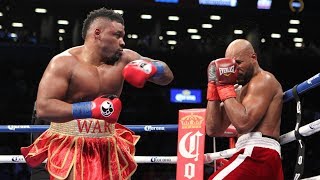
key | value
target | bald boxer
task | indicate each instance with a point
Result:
(79, 93)
(255, 113)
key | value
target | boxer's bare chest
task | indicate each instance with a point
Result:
(88, 82)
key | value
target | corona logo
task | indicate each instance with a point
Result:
(186, 92)
(191, 121)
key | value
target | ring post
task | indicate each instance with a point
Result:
(191, 138)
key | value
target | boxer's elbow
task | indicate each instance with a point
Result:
(212, 131)
(166, 78)
(243, 128)
(170, 77)
(163, 80)
(41, 111)
(168, 81)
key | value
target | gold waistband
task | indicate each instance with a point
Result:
(84, 127)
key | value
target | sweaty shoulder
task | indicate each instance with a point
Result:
(269, 82)
(271, 78)
(63, 62)
(129, 55)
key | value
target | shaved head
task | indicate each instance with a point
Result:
(239, 48)
(243, 52)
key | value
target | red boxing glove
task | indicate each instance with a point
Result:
(226, 73)
(137, 72)
(107, 107)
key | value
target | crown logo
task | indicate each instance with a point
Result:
(191, 121)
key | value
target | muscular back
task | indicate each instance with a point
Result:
(264, 93)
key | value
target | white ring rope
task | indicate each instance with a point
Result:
(209, 157)
(305, 130)
(312, 178)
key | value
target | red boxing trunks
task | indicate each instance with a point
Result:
(94, 149)
(257, 158)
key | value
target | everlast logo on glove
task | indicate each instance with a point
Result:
(227, 70)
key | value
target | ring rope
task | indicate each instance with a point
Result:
(135, 128)
(312, 178)
(302, 87)
(305, 130)
(287, 95)
(230, 131)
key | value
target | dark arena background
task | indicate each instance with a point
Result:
(285, 36)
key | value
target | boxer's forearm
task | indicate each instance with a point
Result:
(165, 78)
(53, 110)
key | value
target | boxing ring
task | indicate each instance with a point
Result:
(294, 135)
